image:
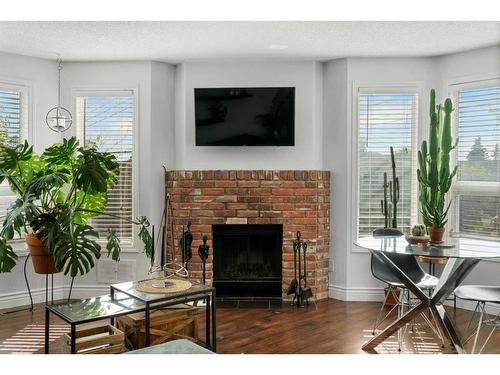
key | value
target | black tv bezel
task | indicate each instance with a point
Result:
(244, 87)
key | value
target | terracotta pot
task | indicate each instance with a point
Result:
(43, 261)
(435, 234)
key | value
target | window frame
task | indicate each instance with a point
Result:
(415, 87)
(25, 88)
(127, 247)
(486, 188)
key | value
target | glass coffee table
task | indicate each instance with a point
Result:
(80, 311)
(125, 299)
(197, 292)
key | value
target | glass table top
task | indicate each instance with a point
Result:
(452, 248)
(129, 288)
(80, 310)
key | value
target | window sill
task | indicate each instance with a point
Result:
(21, 249)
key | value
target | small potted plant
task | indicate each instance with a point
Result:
(57, 193)
(434, 174)
(418, 235)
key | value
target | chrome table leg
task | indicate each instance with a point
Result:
(450, 279)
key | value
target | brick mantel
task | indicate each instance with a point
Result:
(297, 199)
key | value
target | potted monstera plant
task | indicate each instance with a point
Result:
(434, 174)
(57, 193)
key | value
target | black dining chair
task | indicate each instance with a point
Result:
(481, 294)
(398, 291)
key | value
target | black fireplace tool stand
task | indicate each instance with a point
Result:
(298, 287)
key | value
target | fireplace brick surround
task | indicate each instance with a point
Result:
(297, 199)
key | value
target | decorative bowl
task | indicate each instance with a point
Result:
(415, 240)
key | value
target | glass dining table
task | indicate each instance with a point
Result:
(462, 254)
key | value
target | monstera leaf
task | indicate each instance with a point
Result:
(96, 171)
(89, 204)
(144, 235)
(10, 157)
(61, 154)
(7, 256)
(113, 245)
(49, 180)
(76, 250)
(20, 212)
(46, 226)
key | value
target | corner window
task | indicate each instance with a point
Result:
(13, 130)
(107, 123)
(386, 118)
(477, 189)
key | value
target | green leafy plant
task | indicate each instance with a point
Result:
(434, 174)
(57, 193)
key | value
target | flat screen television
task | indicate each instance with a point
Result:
(245, 116)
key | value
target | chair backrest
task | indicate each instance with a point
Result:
(406, 263)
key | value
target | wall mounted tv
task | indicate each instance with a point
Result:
(245, 116)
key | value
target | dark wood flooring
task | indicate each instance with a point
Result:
(331, 327)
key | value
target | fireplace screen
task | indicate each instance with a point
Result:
(248, 260)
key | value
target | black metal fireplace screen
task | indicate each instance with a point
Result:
(248, 260)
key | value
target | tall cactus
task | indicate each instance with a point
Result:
(390, 211)
(434, 174)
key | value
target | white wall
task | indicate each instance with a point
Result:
(352, 278)
(154, 83)
(475, 64)
(324, 102)
(336, 159)
(305, 76)
(40, 78)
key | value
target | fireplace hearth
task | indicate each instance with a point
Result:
(248, 260)
(294, 200)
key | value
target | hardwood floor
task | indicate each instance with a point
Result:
(333, 327)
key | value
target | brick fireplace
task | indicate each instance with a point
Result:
(297, 200)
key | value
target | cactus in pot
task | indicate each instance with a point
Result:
(419, 230)
(434, 174)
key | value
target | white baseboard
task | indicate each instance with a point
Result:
(21, 298)
(371, 294)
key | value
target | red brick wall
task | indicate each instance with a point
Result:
(299, 200)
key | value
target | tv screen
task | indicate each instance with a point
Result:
(250, 116)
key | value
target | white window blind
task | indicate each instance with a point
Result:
(478, 161)
(10, 135)
(386, 119)
(107, 123)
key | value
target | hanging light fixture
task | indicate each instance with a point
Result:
(59, 118)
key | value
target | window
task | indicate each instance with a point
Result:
(478, 159)
(386, 118)
(12, 132)
(107, 123)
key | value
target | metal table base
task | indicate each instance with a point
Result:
(453, 274)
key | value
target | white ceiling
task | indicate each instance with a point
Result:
(210, 41)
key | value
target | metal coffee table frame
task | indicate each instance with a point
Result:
(449, 280)
(207, 295)
(53, 309)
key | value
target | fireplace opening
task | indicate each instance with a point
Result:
(248, 260)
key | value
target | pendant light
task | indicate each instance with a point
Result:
(59, 118)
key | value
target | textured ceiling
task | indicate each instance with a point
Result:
(210, 41)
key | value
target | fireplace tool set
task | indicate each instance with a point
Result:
(168, 262)
(171, 266)
(203, 251)
(298, 287)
